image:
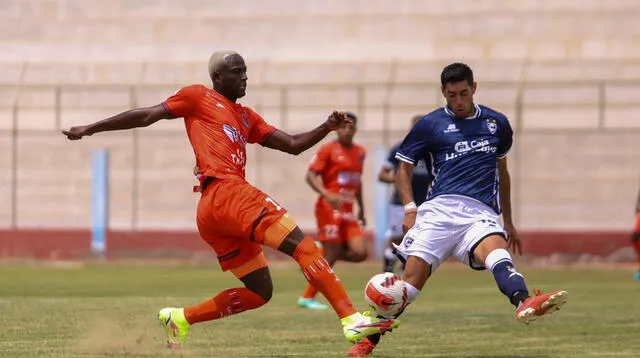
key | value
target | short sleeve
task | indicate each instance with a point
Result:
(321, 159)
(260, 129)
(505, 134)
(415, 145)
(182, 103)
(391, 161)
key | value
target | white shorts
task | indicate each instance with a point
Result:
(396, 218)
(450, 225)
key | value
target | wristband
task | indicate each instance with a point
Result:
(410, 208)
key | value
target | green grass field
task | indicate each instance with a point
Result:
(109, 311)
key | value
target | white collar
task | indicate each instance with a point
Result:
(474, 116)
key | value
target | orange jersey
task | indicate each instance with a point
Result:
(218, 130)
(339, 167)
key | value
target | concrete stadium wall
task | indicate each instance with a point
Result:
(609, 246)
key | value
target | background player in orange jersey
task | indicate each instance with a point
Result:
(234, 217)
(335, 174)
(635, 237)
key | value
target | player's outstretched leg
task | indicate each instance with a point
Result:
(417, 272)
(308, 298)
(635, 240)
(286, 237)
(496, 258)
(257, 291)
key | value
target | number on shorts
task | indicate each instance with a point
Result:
(269, 200)
(331, 231)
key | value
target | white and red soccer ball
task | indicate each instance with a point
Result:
(386, 293)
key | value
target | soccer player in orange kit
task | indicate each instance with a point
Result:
(635, 238)
(234, 217)
(335, 174)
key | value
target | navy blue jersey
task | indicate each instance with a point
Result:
(463, 152)
(419, 182)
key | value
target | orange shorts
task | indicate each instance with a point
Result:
(232, 218)
(333, 227)
(637, 228)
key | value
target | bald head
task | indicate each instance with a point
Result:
(228, 74)
(220, 59)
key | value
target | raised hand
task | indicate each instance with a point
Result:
(75, 133)
(336, 120)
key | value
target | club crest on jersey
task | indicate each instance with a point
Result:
(245, 119)
(234, 134)
(492, 126)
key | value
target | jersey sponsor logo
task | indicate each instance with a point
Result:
(349, 178)
(452, 128)
(239, 158)
(465, 147)
(234, 135)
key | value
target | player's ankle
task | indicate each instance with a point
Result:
(375, 338)
(518, 298)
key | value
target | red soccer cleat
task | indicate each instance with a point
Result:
(362, 348)
(539, 305)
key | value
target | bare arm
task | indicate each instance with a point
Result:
(135, 118)
(638, 204)
(403, 182)
(386, 175)
(405, 193)
(361, 209)
(315, 182)
(505, 191)
(298, 143)
(505, 203)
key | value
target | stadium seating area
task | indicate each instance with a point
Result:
(566, 72)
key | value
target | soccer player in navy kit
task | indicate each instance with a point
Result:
(467, 145)
(420, 182)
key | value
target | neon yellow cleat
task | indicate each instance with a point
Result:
(358, 326)
(175, 326)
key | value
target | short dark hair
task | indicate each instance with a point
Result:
(456, 72)
(351, 116)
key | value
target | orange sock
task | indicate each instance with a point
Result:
(317, 271)
(226, 303)
(309, 291)
(636, 247)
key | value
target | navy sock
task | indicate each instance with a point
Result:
(510, 281)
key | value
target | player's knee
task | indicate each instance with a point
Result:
(266, 293)
(264, 290)
(306, 248)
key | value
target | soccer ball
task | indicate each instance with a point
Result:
(386, 293)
